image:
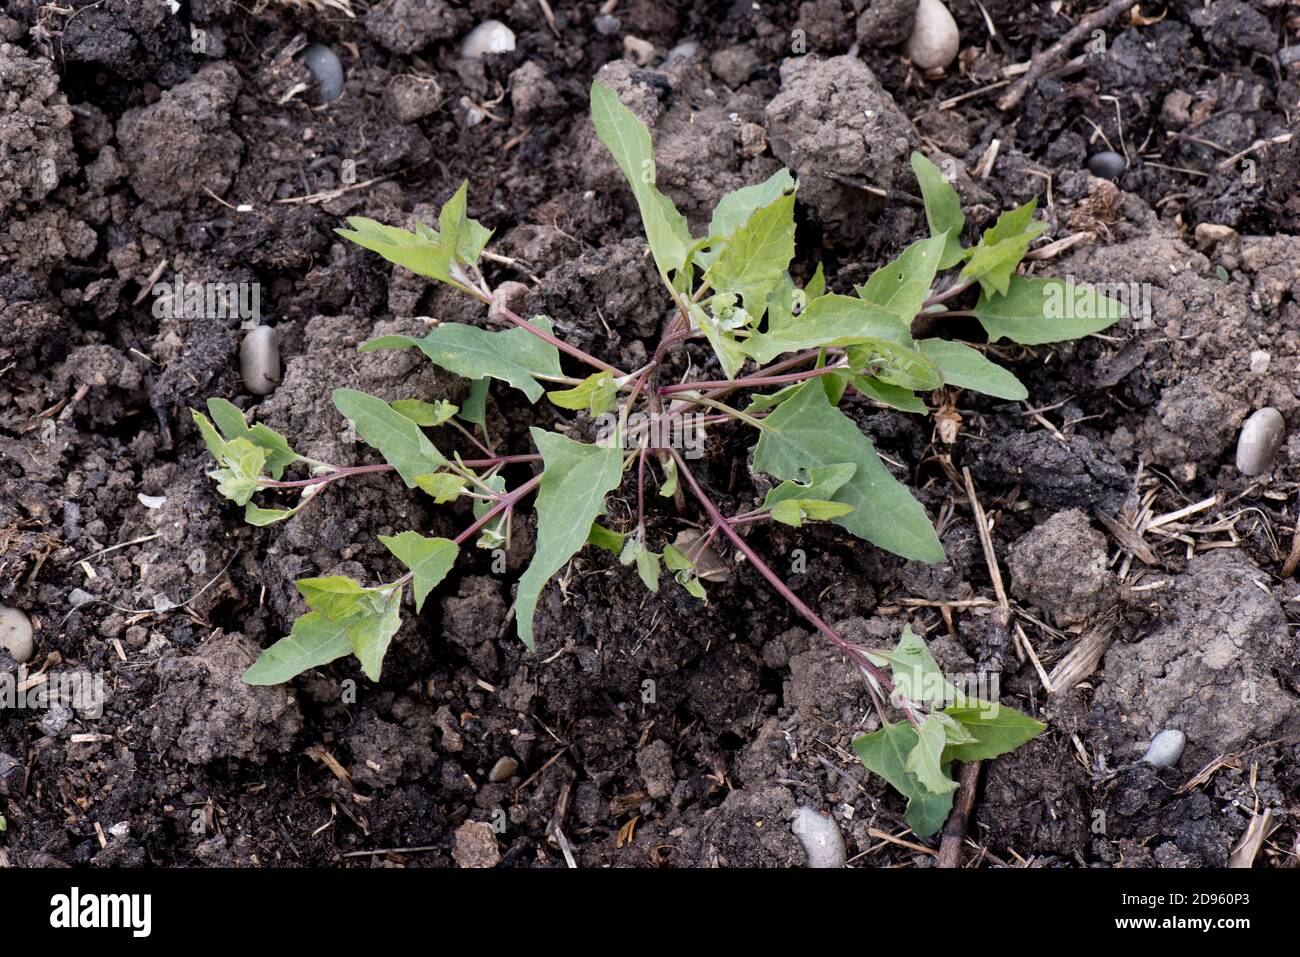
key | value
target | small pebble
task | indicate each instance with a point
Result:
(1106, 165)
(259, 360)
(820, 837)
(1261, 437)
(12, 773)
(490, 36)
(16, 634)
(935, 39)
(503, 770)
(607, 25)
(78, 597)
(690, 50)
(642, 52)
(1259, 360)
(1166, 748)
(326, 68)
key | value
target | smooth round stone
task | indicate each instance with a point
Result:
(607, 25)
(1106, 165)
(326, 68)
(1261, 437)
(503, 770)
(259, 360)
(1165, 749)
(490, 36)
(16, 634)
(935, 39)
(820, 837)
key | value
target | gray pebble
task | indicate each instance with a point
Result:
(55, 720)
(12, 773)
(683, 52)
(1261, 437)
(1106, 165)
(1165, 749)
(326, 68)
(259, 360)
(503, 770)
(820, 837)
(607, 25)
(490, 36)
(16, 634)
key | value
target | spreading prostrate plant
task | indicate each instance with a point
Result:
(731, 288)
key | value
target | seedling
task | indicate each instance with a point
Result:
(731, 288)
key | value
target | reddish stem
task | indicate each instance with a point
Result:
(553, 340)
(720, 520)
(507, 501)
(749, 382)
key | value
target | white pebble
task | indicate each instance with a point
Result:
(1261, 437)
(16, 634)
(259, 360)
(1259, 360)
(490, 36)
(935, 40)
(1165, 749)
(820, 837)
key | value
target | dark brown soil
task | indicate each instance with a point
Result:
(646, 731)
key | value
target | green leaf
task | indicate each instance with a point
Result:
(256, 515)
(232, 424)
(893, 396)
(597, 392)
(823, 482)
(429, 560)
(647, 562)
(425, 251)
(515, 356)
(313, 641)
(753, 261)
(886, 752)
(606, 539)
(993, 262)
(427, 414)
(570, 497)
(917, 675)
(816, 287)
(730, 353)
(831, 320)
(996, 730)
(903, 285)
(967, 368)
(1035, 311)
(794, 511)
(942, 209)
(335, 596)
(628, 141)
(398, 439)
(894, 364)
(371, 633)
(474, 409)
(215, 443)
(735, 209)
(443, 486)
(683, 570)
(805, 432)
(924, 760)
(669, 488)
(494, 533)
(244, 462)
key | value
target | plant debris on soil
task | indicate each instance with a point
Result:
(1129, 578)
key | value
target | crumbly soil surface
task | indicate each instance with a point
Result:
(642, 731)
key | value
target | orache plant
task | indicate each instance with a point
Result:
(731, 288)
